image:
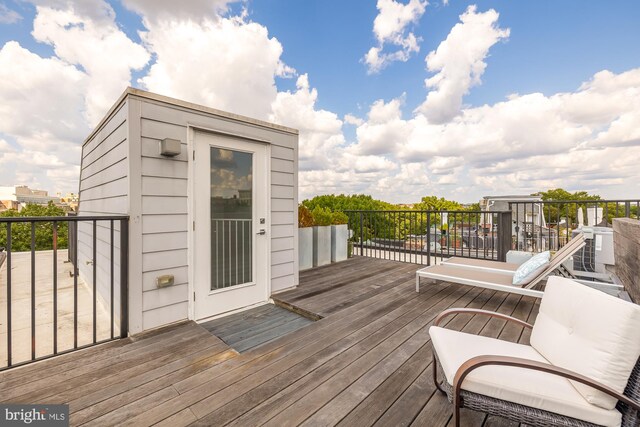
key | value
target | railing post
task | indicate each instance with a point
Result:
(124, 278)
(8, 261)
(428, 238)
(361, 234)
(627, 209)
(504, 234)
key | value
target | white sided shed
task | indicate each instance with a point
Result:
(212, 203)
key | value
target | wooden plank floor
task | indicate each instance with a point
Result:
(257, 326)
(366, 362)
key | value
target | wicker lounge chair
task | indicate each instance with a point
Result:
(575, 244)
(492, 277)
(582, 367)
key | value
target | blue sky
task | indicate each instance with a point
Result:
(553, 47)
(404, 140)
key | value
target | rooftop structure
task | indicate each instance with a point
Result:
(18, 196)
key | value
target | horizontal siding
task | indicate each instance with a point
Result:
(116, 121)
(110, 173)
(164, 259)
(177, 115)
(281, 218)
(281, 270)
(279, 165)
(279, 231)
(164, 241)
(279, 284)
(283, 205)
(153, 318)
(281, 244)
(115, 205)
(106, 190)
(163, 297)
(111, 157)
(282, 178)
(157, 186)
(163, 224)
(153, 167)
(281, 257)
(156, 205)
(282, 192)
(103, 191)
(283, 153)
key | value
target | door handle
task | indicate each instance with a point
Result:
(262, 232)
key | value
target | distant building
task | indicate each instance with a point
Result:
(530, 228)
(69, 200)
(17, 197)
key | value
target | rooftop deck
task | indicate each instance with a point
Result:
(365, 362)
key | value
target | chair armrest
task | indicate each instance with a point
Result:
(452, 311)
(475, 362)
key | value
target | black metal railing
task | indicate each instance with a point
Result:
(549, 225)
(418, 236)
(54, 324)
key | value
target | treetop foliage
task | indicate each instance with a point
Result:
(21, 231)
(561, 194)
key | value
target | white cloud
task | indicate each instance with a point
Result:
(41, 96)
(384, 131)
(390, 28)
(352, 120)
(8, 16)
(226, 63)
(50, 104)
(320, 130)
(459, 63)
(95, 43)
(155, 11)
(524, 144)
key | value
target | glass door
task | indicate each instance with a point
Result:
(230, 252)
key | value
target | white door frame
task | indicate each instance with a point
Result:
(191, 132)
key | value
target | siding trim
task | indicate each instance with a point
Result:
(136, 313)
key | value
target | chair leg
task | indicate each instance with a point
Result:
(435, 373)
(417, 283)
(456, 413)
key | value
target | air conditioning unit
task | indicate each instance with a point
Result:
(590, 262)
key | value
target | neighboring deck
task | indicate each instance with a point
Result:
(366, 362)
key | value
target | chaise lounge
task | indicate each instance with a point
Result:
(498, 275)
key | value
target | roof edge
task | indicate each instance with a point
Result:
(130, 91)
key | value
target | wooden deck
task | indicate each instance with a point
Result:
(366, 362)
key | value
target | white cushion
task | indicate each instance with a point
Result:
(531, 268)
(526, 387)
(589, 332)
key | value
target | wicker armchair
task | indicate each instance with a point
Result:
(561, 393)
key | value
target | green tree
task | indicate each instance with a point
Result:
(433, 203)
(21, 231)
(558, 206)
(341, 203)
(377, 221)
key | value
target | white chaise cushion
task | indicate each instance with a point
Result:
(526, 387)
(589, 332)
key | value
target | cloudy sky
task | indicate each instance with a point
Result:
(398, 99)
